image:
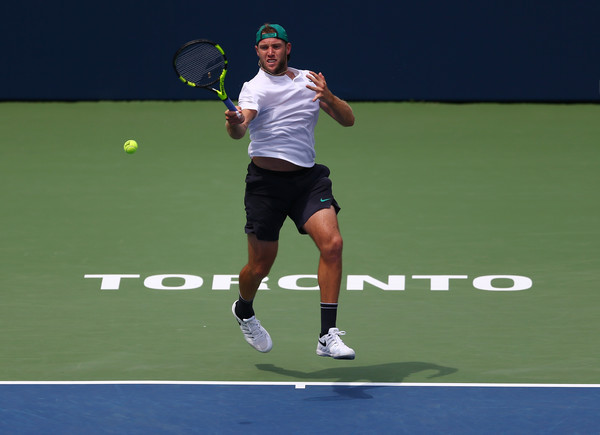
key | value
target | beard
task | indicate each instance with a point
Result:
(279, 70)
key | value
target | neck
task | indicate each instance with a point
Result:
(274, 74)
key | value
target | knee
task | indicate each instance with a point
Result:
(332, 250)
(259, 270)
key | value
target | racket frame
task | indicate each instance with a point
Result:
(221, 93)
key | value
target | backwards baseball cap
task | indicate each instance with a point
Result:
(279, 32)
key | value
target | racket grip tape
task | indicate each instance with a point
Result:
(231, 106)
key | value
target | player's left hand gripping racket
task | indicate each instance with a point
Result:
(202, 63)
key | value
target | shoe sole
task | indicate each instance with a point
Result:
(336, 357)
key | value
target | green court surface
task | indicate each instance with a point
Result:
(471, 191)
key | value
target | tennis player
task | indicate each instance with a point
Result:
(280, 106)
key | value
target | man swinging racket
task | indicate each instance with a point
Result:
(280, 106)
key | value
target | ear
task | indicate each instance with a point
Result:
(288, 48)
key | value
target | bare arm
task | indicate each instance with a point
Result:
(236, 127)
(335, 107)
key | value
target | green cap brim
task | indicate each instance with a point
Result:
(279, 33)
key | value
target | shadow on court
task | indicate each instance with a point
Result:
(390, 372)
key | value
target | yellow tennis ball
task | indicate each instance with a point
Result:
(130, 146)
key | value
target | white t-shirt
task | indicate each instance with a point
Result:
(284, 126)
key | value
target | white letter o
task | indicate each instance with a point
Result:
(519, 283)
(190, 282)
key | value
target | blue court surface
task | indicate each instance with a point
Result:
(246, 407)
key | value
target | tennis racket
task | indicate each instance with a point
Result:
(202, 63)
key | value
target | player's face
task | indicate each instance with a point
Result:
(272, 54)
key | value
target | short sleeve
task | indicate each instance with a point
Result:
(247, 99)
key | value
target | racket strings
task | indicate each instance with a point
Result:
(201, 64)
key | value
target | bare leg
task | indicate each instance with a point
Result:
(324, 230)
(261, 256)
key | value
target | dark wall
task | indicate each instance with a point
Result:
(368, 50)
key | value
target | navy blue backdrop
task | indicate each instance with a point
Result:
(433, 50)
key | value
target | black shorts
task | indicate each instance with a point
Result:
(271, 196)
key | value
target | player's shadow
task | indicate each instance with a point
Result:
(384, 373)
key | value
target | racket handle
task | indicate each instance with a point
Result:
(231, 106)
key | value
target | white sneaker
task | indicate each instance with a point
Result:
(332, 345)
(254, 333)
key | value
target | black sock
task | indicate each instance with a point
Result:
(243, 309)
(328, 317)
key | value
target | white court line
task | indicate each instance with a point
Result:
(302, 385)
